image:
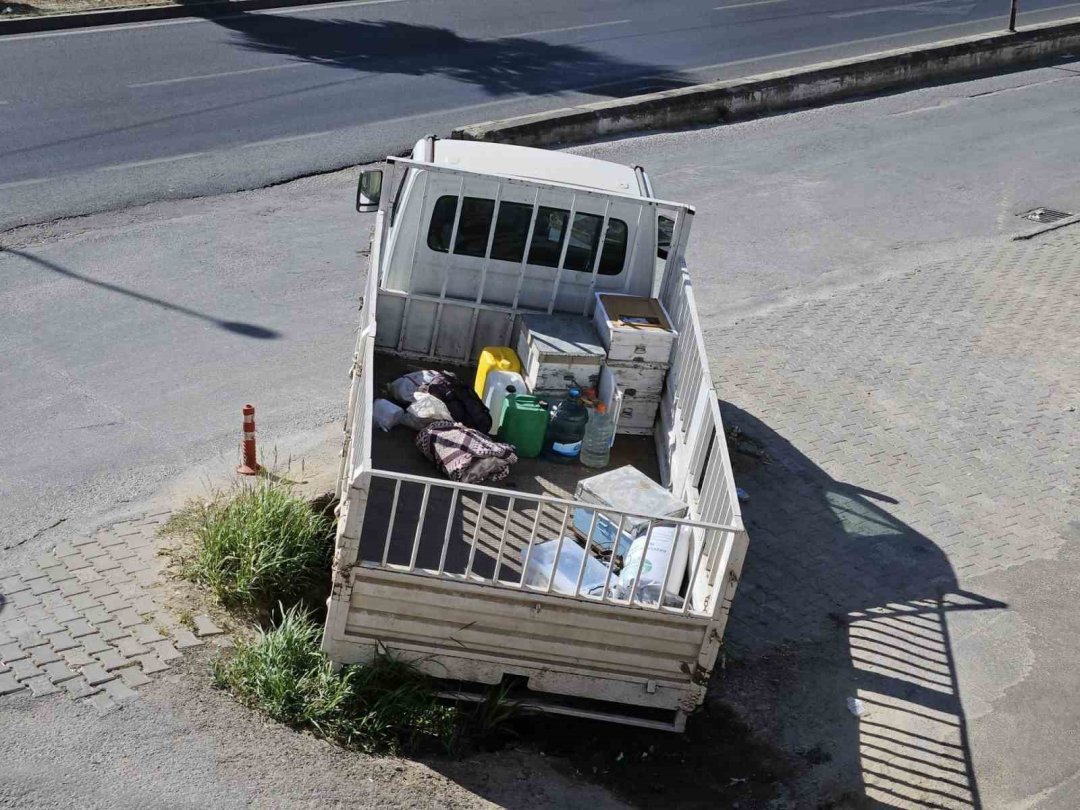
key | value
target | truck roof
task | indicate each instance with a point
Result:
(534, 164)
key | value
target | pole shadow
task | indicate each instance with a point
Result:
(241, 328)
(838, 645)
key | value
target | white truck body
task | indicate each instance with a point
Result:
(430, 570)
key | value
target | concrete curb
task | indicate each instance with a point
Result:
(118, 16)
(1073, 220)
(755, 96)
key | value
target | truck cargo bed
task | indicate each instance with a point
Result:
(395, 451)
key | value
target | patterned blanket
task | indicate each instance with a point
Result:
(464, 454)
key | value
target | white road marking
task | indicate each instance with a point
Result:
(747, 5)
(31, 182)
(560, 30)
(288, 139)
(202, 76)
(930, 7)
(151, 162)
(189, 20)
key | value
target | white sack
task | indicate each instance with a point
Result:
(386, 414)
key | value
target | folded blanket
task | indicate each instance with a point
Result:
(464, 454)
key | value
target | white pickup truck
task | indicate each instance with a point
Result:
(431, 570)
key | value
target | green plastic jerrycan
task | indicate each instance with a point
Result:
(524, 424)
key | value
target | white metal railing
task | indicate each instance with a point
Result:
(503, 528)
(356, 454)
(549, 185)
(697, 414)
(579, 285)
(703, 477)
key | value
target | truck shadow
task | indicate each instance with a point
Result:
(838, 648)
(500, 66)
(838, 686)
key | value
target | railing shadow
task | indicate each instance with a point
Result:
(842, 615)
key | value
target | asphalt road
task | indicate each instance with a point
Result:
(103, 118)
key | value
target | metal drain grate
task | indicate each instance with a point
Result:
(1046, 215)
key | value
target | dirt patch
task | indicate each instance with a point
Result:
(17, 10)
(45, 7)
(276, 766)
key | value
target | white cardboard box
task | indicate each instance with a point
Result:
(632, 328)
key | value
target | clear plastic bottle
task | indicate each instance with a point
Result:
(599, 432)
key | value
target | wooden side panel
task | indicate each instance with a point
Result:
(522, 632)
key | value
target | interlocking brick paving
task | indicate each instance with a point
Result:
(920, 433)
(90, 618)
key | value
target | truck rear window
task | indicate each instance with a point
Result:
(512, 230)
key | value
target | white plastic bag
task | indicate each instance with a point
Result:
(542, 561)
(402, 389)
(386, 414)
(856, 706)
(668, 551)
(426, 408)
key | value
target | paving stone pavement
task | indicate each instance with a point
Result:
(921, 433)
(89, 618)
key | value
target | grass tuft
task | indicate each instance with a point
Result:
(258, 545)
(384, 706)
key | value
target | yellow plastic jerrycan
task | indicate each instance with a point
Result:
(502, 358)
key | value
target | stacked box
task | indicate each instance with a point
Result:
(638, 338)
(559, 352)
(634, 329)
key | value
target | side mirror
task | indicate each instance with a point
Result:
(369, 191)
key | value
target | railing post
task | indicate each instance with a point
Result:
(694, 570)
(641, 563)
(562, 253)
(483, 274)
(532, 542)
(585, 556)
(476, 535)
(390, 525)
(449, 525)
(558, 548)
(614, 552)
(525, 253)
(502, 539)
(419, 526)
(599, 253)
(447, 265)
